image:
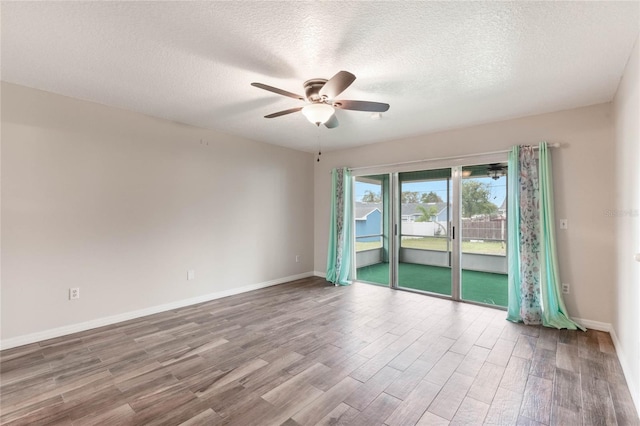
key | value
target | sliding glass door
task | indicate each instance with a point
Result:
(372, 230)
(425, 250)
(440, 231)
(483, 234)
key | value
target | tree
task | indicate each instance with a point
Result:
(409, 197)
(431, 197)
(371, 197)
(426, 213)
(475, 199)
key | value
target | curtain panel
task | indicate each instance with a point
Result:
(534, 277)
(340, 228)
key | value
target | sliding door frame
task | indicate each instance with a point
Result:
(455, 228)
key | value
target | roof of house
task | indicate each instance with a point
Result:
(408, 209)
(365, 209)
(411, 209)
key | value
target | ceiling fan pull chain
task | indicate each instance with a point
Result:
(319, 150)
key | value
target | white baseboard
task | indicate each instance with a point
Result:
(101, 322)
(594, 325)
(320, 274)
(632, 382)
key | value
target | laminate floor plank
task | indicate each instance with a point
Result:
(505, 408)
(473, 361)
(85, 403)
(564, 391)
(612, 366)
(295, 386)
(512, 331)
(489, 337)
(375, 413)
(444, 368)
(372, 388)
(536, 401)
(121, 415)
(307, 352)
(272, 375)
(486, 382)
(414, 405)
(341, 415)
(438, 346)
(623, 405)
(567, 357)
(207, 417)
(338, 372)
(373, 365)
(471, 412)
(325, 403)
(451, 396)
(409, 379)
(525, 346)
(598, 407)
(516, 374)
(501, 351)
(543, 363)
(430, 419)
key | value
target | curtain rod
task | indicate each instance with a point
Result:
(504, 151)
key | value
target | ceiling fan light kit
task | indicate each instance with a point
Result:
(321, 94)
(318, 113)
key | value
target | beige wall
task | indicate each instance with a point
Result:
(122, 205)
(626, 318)
(584, 189)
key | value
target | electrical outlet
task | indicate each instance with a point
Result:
(297, 258)
(191, 275)
(564, 224)
(74, 293)
(565, 288)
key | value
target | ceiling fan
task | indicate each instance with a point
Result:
(321, 97)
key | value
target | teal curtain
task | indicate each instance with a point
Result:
(513, 235)
(340, 228)
(386, 215)
(554, 312)
(534, 283)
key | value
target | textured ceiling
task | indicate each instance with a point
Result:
(439, 65)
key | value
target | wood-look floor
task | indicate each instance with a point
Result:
(309, 353)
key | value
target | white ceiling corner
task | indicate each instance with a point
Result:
(439, 65)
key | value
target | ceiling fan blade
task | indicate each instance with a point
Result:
(285, 112)
(362, 106)
(337, 84)
(332, 123)
(278, 91)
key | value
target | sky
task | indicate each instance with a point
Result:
(498, 188)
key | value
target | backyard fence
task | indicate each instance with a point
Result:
(484, 229)
(424, 229)
(490, 230)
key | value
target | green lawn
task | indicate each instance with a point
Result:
(368, 245)
(440, 244)
(483, 287)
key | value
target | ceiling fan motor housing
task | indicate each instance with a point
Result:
(312, 88)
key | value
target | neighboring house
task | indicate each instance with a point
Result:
(368, 220)
(368, 217)
(502, 210)
(410, 211)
